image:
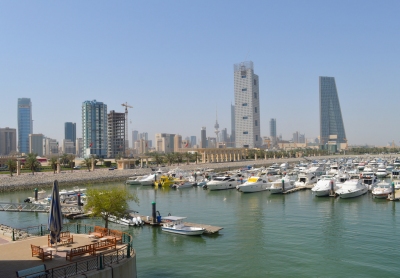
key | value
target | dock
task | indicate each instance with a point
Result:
(294, 189)
(29, 207)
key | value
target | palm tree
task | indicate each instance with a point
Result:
(101, 160)
(170, 158)
(178, 157)
(53, 163)
(12, 166)
(71, 158)
(87, 162)
(31, 162)
(196, 156)
(158, 159)
(64, 159)
(188, 156)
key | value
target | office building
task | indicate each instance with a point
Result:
(8, 141)
(143, 146)
(135, 137)
(272, 132)
(193, 141)
(232, 139)
(164, 142)
(50, 147)
(224, 135)
(68, 146)
(79, 147)
(116, 134)
(25, 124)
(247, 106)
(177, 142)
(203, 138)
(36, 144)
(94, 128)
(70, 131)
(332, 133)
(144, 136)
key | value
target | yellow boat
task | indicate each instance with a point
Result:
(165, 181)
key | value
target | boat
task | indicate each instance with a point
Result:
(148, 180)
(352, 188)
(369, 179)
(325, 186)
(183, 184)
(174, 224)
(281, 185)
(225, 182)
(256, 184)
(381, 190)
(381, 173)
(305, 178)
(165, 181)
(134, 180)
(127, 220)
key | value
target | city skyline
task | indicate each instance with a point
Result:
(127, 53)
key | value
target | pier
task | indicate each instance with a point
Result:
(294, 189)
(29, 207)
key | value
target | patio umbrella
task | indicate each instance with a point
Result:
(54, 224)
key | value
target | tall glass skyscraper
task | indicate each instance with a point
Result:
(70, 131)
(272, 131)
(331, 122)
(247, 106)
(25, 125)
(94, 128)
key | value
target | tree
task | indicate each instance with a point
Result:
(12, 166)
(53, 163)
(87, 162)
(31, 162)
(101, 160)
(64, 159)
(178, 157)
(170, 158)
(158, 159)
(196, 156)
(188, 156)
(71, 158)
(105, 202)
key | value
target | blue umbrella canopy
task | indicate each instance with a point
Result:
(54, 224)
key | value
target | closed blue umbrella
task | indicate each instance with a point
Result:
(54, 224)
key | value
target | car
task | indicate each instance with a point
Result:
(112, 168)
(78, 167)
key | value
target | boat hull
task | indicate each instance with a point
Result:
(254, 187)
(353, 194)
(188, 232)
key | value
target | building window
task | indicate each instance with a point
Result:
(256, 137)
(244, 89)
(245, 118)
(256, 123)
(244, 104)
(255, 95)
(255, 82)
(243, 76)
(255, 109)
(245, 132)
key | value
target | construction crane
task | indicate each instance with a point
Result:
(126, 123)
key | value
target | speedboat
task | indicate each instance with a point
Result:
(183, 184)
(325, 186)
(224, 182)
(281, 185)
(351, 188)
(148, 180)
(127, 220)
(134, 180)
(165, 181)
(381, 190)
(256, 184)
(174, 224)
(381, 173)
(369, 179)
(305, 178)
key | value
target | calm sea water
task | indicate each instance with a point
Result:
(294, 235)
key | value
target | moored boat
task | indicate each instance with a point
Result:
(174, 224)
(351, 189)
(381, 190)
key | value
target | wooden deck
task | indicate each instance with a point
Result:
(294, 189)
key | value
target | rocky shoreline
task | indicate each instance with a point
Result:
(81, 177)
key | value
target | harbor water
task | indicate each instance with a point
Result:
(293, 235)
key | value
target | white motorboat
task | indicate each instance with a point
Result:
(256, 184)
(351, 189)
(174, 224)
(149, 179)
(224, 182)
(369, 179)
(325, 186)
(134, 180)
(361, 166)
(127, 220)
(341, 177)
(305, 178)
(381, 190)
(281, 185)
(183, 184)
(334, 169)
(381, 173)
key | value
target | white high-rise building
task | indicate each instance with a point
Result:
(247, 106)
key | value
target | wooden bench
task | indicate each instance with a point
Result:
(99, 231)
(105, 244)
(65, 238)
(36, 271)
(79, 251)
(117, 235)
(38, 251)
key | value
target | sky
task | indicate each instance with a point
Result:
(173, 62)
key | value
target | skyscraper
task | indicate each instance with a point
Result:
(135, 137)
(247, 106)
(203, 137)
(70, 131)
(331, 122)
(36, 144)
(25, 125)
(8, 140)
(232, 126)
(272, 131)
(94, 128)
(193, 141)
(115, 134)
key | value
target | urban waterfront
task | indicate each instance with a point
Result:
(293, 235)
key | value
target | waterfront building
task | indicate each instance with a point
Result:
(232, 139)
(36, 144)
(115, 134)
(68, 146)
(203, 137)
(8, 141)
(79, 147)
(164, 142)
(193, 141)
(247, 106)
(25, 124)
(94, 128)
(177, 142)
(332, 133)
(70, 132)
(272, 131)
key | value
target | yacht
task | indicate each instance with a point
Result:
(149, 179)
(381, 190)
(224, 182)
(351, 189)
(369, 179)
(256, 184)
(361, 166)
(305, 178)
(325, 186)
(381, 173)
(334, 169)
(134, 180)
(281, 185)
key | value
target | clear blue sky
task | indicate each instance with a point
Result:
(173, 62)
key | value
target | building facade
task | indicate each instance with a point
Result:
(25, 124)
(94, 128)
(164, 142)
(272, 131)
(36, 144)
(232, 139)
(193, 141)
(331, 122)
(70, 131)
(8, 141)
(203, 137)
(247, 106)
(116, 134)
